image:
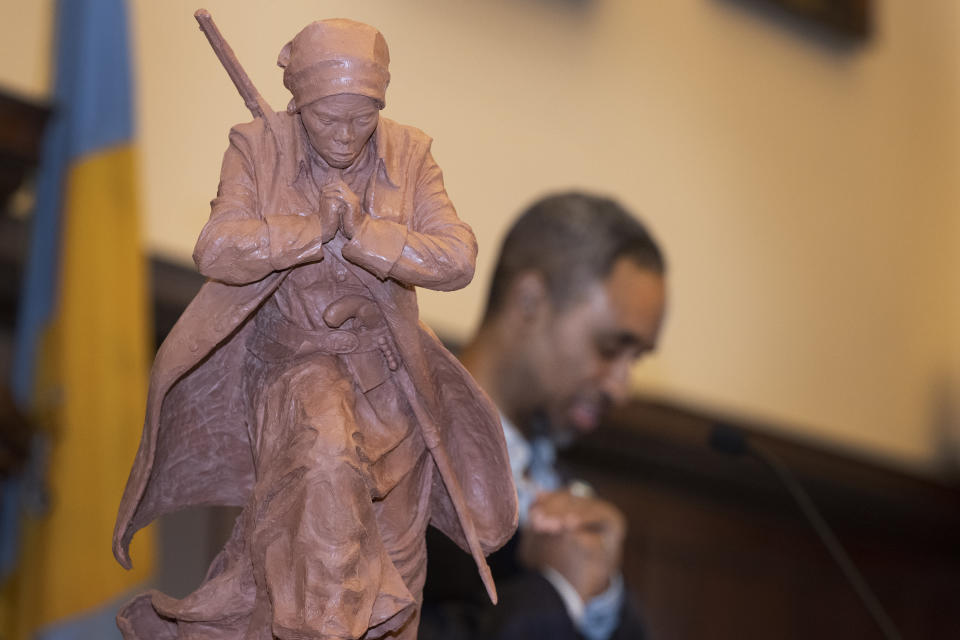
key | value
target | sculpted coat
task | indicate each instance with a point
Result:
(288, 388)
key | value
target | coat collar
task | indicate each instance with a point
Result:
(388, 162)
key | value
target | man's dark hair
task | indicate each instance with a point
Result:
(571, 239)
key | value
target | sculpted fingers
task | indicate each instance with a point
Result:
(329, 214)
(343, 206)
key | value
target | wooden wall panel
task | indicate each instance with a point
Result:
(717, 549)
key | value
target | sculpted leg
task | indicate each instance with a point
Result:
(316, 546)
(402, 516)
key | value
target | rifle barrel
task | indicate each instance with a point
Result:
(251, 97)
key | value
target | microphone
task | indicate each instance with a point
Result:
(729, 440)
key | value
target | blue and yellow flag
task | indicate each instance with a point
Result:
(81, 358)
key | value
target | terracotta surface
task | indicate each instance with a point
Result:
(300, 384)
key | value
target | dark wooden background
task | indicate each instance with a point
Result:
(717, 548)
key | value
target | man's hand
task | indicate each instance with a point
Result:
(579, 538)
(337, 200)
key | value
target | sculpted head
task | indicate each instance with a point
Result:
(338, 72)
(583, 282)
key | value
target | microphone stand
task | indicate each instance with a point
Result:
(733, 441)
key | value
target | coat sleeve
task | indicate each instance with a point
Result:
(435, 249)
(247, 238)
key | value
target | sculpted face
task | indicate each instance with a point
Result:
(339, 126)
(583, 361)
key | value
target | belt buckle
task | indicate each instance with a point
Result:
(338, 341)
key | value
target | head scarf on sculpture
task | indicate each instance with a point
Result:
(335, 56)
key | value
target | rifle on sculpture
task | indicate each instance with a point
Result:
(251, 97)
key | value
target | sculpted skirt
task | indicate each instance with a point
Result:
(331, 541)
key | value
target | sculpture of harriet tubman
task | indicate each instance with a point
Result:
(299, 383)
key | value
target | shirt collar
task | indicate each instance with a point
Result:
(518, 449)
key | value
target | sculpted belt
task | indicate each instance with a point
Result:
(367, 347)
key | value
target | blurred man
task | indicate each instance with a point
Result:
(577, 298)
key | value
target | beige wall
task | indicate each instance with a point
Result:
(807, 196)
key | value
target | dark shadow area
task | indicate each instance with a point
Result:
(717, 549)
(189, 540)
(841, 27)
